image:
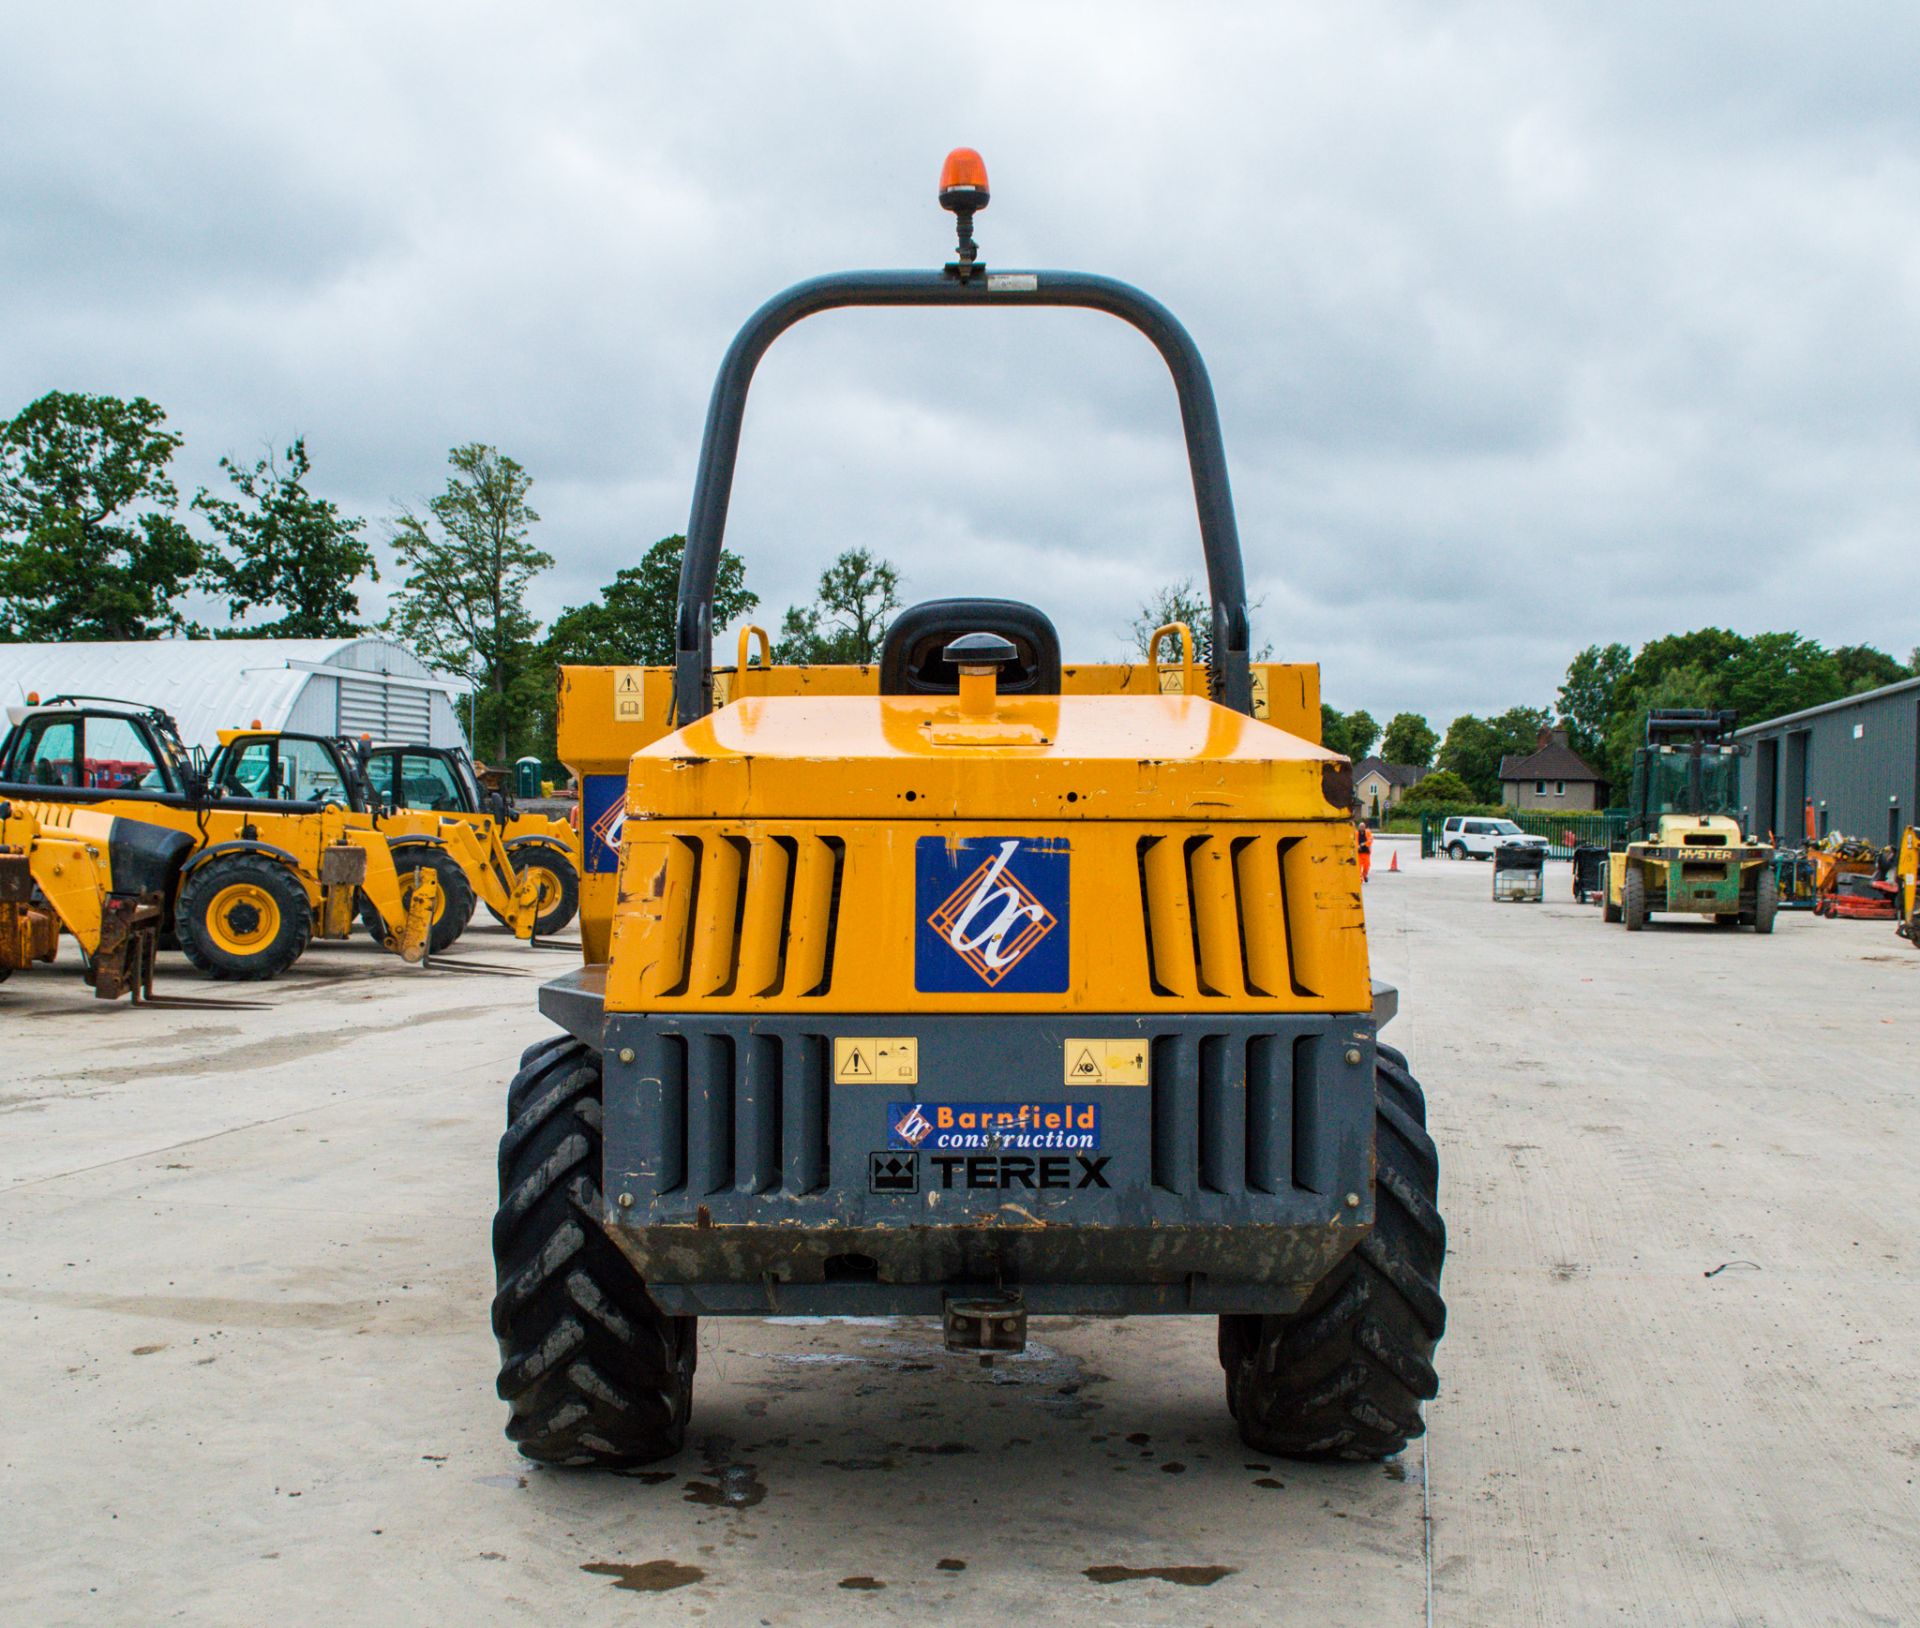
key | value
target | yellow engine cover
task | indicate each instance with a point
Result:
(1079, 853)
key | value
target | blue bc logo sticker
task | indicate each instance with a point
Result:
(993, 915)
(603, 815)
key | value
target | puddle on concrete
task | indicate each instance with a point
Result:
(1185, 1576)
(649, 1576)
(861, 1582)
(950, 1565)
(648, 1478)
(1268, 1482)
(735, 1486)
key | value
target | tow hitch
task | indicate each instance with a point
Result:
(989, 1328)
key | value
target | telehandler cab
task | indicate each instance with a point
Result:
(1684, 853)
(966, 985)
(265, 875)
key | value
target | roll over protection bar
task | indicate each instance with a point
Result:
(1229, 665)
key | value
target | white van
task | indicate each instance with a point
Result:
(1468, 836)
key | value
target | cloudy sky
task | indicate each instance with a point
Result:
(1531, 325)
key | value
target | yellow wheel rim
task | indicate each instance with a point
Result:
(243, 919)
(546, 889)
(406, 896)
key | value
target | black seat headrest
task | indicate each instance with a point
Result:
(913, 659)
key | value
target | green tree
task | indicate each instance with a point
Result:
(858, 594)
(1595, 683)
(463, 603)
(631, 623)
(1474, 746)
(1177, 602)
(1351, 734)
(286, 550)
(1409, 739)
(89, 546)
(1442, 786)
(1182, 601)
(1862, 667)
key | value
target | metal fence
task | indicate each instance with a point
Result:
(1564, 831)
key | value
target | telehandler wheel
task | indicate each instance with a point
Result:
(1766, 900)
(243, 916)
(559, 885)
(456, 905)
(593, 1372)
(1345, 1375)
(1633, 901)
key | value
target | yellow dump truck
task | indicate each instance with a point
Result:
(966, 984)
(265, 875)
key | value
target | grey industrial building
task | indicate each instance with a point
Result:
(1857, 761)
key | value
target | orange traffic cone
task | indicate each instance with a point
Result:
(1393, 860)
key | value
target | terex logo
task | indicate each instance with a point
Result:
(993, 914)
(1048, 1172)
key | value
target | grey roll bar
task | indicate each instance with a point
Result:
(1231, 674)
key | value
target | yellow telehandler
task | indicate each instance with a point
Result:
(99, 878)
(466, 857)
(265, 876)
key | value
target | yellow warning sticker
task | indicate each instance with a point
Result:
(1259, 692)
(876, 1060)
(1173, 681)
(1106, 1062)
(629, 695)
(722, 689)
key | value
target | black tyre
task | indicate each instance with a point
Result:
(243, 917)
(1766, 900)
(1609, 911)
(1456, 850)
(1345, 1375)
(592, 1370)
(455, 909)
(559, 885)
(1633, 900)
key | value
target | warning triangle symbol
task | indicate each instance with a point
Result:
(856, 1064)
(628, 684)
(1084, 1067)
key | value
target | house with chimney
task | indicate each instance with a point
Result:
(1378, 785)
(1552, 776)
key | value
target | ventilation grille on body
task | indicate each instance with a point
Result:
(1235, 1113)
(746, 1115)
(761, 916)
(1217, 919)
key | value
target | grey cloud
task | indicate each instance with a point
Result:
(1531, 327)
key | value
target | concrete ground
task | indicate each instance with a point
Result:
(244, 1278)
